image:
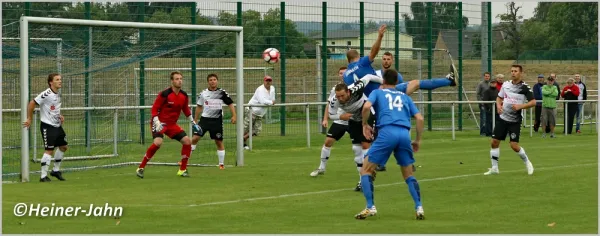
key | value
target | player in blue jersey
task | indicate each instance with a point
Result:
(394, 110)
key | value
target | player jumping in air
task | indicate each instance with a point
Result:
(394, 110)
(514, 96)
(336, 131)
(210, 104)
(51, 126)
(165, 111)
(350, 99)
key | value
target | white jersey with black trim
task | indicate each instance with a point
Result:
(334, 108)
(49, 103)
(355, 102)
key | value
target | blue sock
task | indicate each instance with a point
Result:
(415, 191)
(431, 84)
(367, 189)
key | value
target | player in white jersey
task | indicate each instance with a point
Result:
(337, 130)
(514, 96)
(51, 128)
(210, 104)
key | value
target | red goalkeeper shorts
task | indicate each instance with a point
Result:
(172, 131)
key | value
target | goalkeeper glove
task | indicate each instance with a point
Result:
(157, 127)
(195, 127)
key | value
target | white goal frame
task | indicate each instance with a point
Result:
(24, 68)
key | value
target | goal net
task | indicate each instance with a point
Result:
(105, 101)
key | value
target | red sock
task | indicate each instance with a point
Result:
(149, 154)
(186, 150)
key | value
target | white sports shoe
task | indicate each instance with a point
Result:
(317, 172)
(420, 214)
(366, 213)
(492, 171)
(529, 167)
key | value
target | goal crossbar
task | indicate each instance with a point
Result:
(24, 67)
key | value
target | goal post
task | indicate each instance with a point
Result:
(26, 21)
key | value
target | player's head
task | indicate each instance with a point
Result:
(387, 60)
(176, 79)
(390, 77)
(212, 80)
(352, 55)
(341, 72)
(267, 81)
(515, 72)
(54, 80)
(342, 93)
(577, 78)
(487, 76)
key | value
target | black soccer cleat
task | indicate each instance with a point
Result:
(58, 175)
(358, 187)
(140, 172)
(452, 75)
(45, 179)
(380, 168)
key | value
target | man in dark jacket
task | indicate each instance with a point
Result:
(537, 94)
(570, 93)
(582, 96)
(490, 94)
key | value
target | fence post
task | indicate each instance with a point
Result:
(531, 121)
(193, 65)
(493, 116)
(282, 116)
(460, 64)
(115, 132)
(566, 115)
(453, 127)
(429, 59)
(489, 38)
(141, 12)
(88, 61)
(362, 28)
(397, 36)
(324, 57)
(250, 126)
(307, 110)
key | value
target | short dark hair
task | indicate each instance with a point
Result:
(390, 77)
(352, 54)
(487, 73)
(341, 87)
(212, 75)
(388, 54)
(175, 73)
(518, 66)
(343, 68)
(51, 77)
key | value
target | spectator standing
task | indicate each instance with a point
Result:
(481, 88)
(570, 93)
(537, 94)
(549, 94)
(582, 96)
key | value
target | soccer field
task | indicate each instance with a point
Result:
(274, 193)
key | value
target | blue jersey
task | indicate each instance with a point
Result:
(392, 107)
(359, 69)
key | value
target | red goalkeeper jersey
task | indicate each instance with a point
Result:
(169, 105)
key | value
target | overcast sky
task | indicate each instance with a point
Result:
(339, 10)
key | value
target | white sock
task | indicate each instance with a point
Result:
(45, 164)
(221, 155)
(495, 155)
(358, 157)
(325, 151)
(523, 155)
(193, 147)
(58, 156)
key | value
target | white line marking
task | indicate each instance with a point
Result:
(333, 190)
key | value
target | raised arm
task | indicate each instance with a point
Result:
(377, 45)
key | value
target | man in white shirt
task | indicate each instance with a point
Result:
(264, 95)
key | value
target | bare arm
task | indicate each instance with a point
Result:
(326, 116)
(366, 112)
(420, 126)
(198, 112)
(30, 108)
(233, 114)
(377, 45)
(499, 105)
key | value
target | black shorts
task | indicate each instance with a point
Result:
(53, 136)
(503, 128)
(337, 131)
(212, 125)
(355, 130)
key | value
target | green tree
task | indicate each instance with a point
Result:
(445, 15)
(510, 25)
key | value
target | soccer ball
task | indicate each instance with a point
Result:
(271, 55)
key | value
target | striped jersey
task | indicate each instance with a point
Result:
(512, 94)
(355, 103)
(49, 103)
(334, 107)
(212, 102)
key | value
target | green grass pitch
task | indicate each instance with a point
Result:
(273, 192)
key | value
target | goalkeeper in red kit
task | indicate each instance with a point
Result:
(165, 111)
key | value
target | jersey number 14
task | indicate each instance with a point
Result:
(394, 101)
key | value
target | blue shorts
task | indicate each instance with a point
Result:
(391, 138)
(402, 87)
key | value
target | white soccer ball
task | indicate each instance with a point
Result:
(271, 55)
